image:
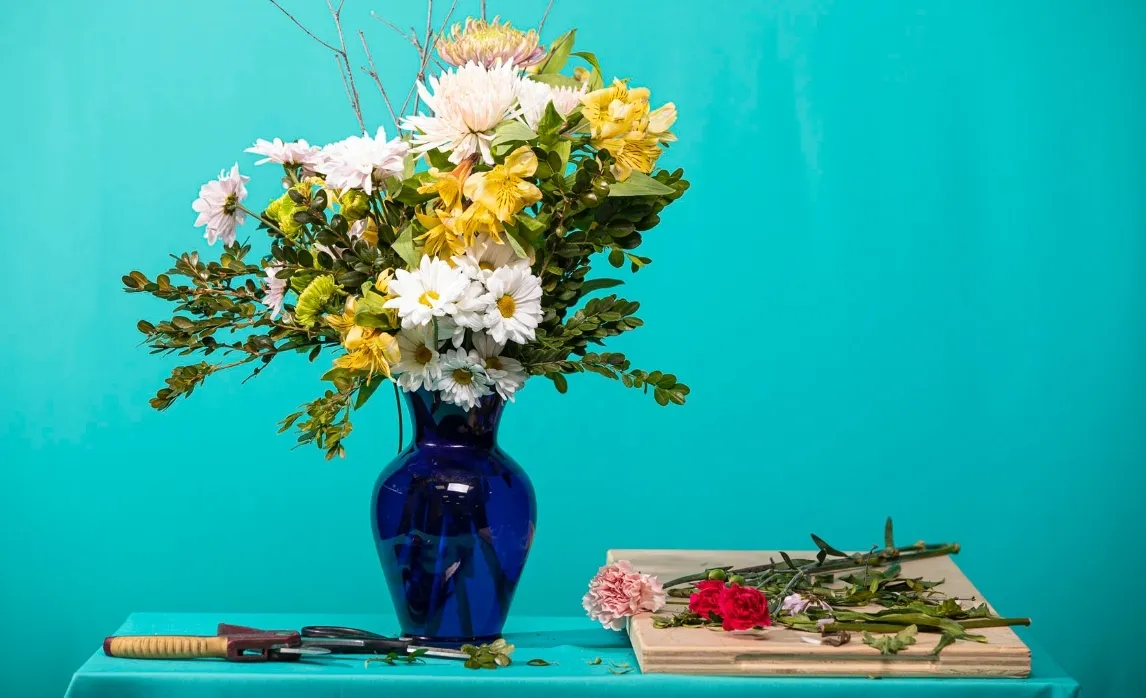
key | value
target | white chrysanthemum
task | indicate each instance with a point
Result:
(472, 307)
(514, 305)
(507, 374)
(429, 291)
(534, 96)
(218, 206)
(463, 380)
(419, 366)
(484, 256)
(362, 162)
(468, 103)
(296, 153)
(275, 289)
(566, 99)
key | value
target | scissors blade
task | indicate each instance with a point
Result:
(303, 650)
(439, 652)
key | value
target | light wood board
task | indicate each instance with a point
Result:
(779, 650)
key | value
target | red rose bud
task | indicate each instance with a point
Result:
(742, 608)
(706, 599)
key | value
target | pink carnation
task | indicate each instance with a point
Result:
(618, 591)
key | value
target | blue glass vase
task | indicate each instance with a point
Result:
(453, 519)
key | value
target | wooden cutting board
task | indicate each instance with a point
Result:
(779, 650)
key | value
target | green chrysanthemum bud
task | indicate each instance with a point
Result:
(718, 575)
(354, 205)
(312, 302)
(736, 579)
(282, 211)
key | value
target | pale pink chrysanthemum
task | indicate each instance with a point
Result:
(296, 153)
(468, 103)
(362, 162)
(275, 290)
(218, 206)
(618, 592)
(487, 43)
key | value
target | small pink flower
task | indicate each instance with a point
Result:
(618, 591)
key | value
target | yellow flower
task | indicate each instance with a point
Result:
(478, 220)
(615, 110)
(442, 235)
(342, 323)
(504, 189)
(448, 185)
(621, 124)
(634, 151)
(369, 349)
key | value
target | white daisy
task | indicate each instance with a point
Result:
(362, 162)
(471, 309)
(218, 206)
(275, 289)
(463, 380)
(448, 329)
(296, 153)
(507, 374)
(484, 256)
(514, 305)
(468, 103)
(419, 366)
(429, 291)
(534, 96)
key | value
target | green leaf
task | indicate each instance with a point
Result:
(822, 545)
(558, 54)
(639, 184)
(439, 160)
(559, 382)
(510, 131)
(892, 644)
(556, 80)
(551, 122)
(512, 237)
(598, 284)
(369, 311)
(537, 662)
(563, 148)
(945, 640)
(404, 246)
(367, 390)
(597, 79)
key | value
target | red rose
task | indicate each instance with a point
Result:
(742, 608)
(706, 598)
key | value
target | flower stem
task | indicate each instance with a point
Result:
(264, 219)
(877, 558)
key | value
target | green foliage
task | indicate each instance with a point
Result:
(491, 656)
(891, 644)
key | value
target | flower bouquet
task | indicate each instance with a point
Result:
(453, 261)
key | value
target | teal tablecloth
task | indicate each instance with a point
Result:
(569, 643)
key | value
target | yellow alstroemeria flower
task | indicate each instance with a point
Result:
(369, 349)
(442, 234)
(478, 220)
(634, 151)
(615, 110)
(342, 323)
(448, 185)
(504, 189)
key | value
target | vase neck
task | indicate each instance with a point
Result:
(439, 423)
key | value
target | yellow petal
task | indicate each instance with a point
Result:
(660, 120)
(521, 162)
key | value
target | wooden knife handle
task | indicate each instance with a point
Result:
(166, 646)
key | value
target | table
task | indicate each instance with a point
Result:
(569, 643)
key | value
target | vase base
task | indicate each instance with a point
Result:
(450, 642)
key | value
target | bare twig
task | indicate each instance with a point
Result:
(544, 17)
(426, 48)
(408, 37)
(340, 56)
(352, 90)
(300, 26)
(373, 73)
(483, 9)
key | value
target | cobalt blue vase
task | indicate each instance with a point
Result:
(453, 519)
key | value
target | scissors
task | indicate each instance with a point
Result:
(341, 640)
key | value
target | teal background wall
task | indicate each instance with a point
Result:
(908, 280)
